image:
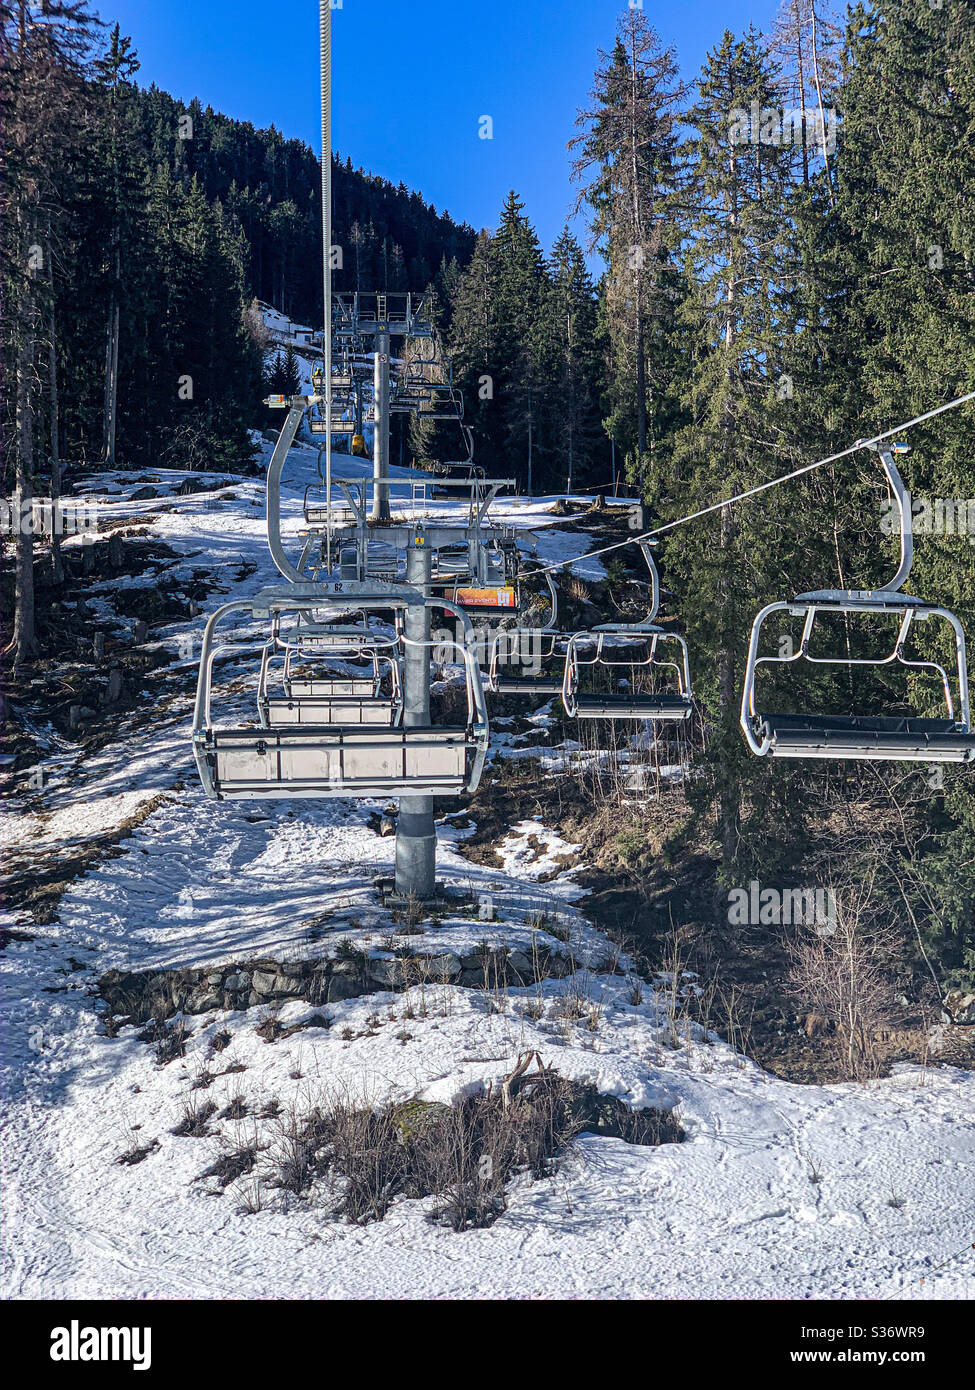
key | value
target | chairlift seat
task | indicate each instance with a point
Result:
(632, 705)
(336, 762)
(871, 737)
(897, 738)
(505, 684)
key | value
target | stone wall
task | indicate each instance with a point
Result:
(141, 996)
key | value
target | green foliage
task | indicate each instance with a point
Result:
(523, 343)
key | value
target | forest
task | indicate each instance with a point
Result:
(787, 264)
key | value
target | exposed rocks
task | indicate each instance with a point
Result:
(140, 996)
(959, 1006)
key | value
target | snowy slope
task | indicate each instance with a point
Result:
(779, 1190)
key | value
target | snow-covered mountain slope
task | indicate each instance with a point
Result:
(778, 1190)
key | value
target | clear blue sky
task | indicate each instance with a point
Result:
(412, 77)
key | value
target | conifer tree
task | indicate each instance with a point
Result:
(627, 165)
(737, 255)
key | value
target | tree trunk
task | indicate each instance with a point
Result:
(641, 366)
(729, 812)
(23, 644)
(801, 79)
(111, 377)
(57, 566)
(819, 98)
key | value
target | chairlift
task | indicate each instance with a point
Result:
(599, 655)
(529, 660)
(238, 762)
(483, 577)
(368, 693)
(892, 738)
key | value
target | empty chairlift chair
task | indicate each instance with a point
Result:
(314, 691)
(482, 579)
(595, 659)
(336, 760)
(529, 660)
(897, 738)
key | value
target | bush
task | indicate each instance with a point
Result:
(359, 1160)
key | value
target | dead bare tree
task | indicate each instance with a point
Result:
(843, 970)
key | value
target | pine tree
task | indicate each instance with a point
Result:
(577, 429)
(627, 165)
(474, 348)
(736, 260)
(901, 251)
(520, 290)
(290, 373)
(805, 45)
(114, 75)
(43, 66)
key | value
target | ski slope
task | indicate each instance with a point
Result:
(779, 1191)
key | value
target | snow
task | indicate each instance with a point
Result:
(814, 1192)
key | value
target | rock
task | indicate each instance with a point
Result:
(287, 986)
(959, 1006)
(293, 970)
(201, 1001)
(115, 551)
(236, 983)
(341, 987)
(262, 982)
(559, 967)
(386, 972)
(415, 1118)
(387, 826)
(520, 962)
(98, 645)
(144, 494)
(213, 977)
(113, 692)
(140, 632)
(445, 967)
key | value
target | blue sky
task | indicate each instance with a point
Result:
(412, 77)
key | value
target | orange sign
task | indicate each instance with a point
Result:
(486, 598)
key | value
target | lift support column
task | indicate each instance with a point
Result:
(380, 438)
(416, 838)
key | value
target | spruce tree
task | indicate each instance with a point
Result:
(627, 165)
(736, 257)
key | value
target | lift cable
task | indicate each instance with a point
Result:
(762, 487)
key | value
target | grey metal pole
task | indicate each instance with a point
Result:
(325, 33)
(380, 444)
(416, 838)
